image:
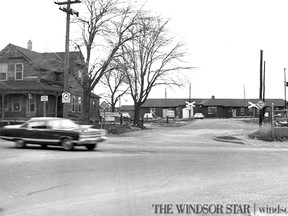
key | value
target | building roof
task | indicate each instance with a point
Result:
(52, 61)
(29, 86)
(233, 102)
(171, 102)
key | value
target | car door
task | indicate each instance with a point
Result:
(38, 132)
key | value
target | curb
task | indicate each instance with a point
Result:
(229, 141)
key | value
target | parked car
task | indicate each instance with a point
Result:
(149, 116)
(198, 116)
(126, 115)
(53, 131)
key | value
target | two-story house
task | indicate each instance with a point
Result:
(31, 84)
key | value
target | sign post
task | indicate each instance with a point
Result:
(190, 106)
(44, 99)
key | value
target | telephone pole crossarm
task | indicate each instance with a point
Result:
(68, 2)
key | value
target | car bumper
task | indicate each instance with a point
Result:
(90, 141)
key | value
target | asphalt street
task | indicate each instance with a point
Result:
(147, 172)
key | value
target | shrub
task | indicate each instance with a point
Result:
(265, 133)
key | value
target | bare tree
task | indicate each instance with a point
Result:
(114, 81)
(152, 58)
(105, 28)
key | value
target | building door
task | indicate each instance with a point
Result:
(31, 109)
(234, 113)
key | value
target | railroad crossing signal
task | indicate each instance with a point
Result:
(190, 105)
(260, 105)
(252, 105)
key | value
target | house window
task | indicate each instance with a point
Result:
(212, 110)
(3, 72)
(16, 106)
(73, 103)
(79, 104)
(19, 71)
(93, 105)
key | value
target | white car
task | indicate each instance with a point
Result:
(198, 116)
(149, 116)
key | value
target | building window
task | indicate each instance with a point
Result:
(212, 110)
(19, 71)
(93, 105)
(242, 110)
(79, 104)
(16, 106)
(73, 103)
(3, 72)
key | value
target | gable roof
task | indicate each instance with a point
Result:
(52, 61)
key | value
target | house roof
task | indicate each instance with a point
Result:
(175, 102)
(52, 61)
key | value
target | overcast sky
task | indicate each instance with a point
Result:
(223, 37)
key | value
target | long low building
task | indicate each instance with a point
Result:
(210, 108)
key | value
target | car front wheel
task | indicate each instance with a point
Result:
(91, 147)
(20, 143)
(67, 144)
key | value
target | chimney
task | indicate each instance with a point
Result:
(29, 45)
(213, 97)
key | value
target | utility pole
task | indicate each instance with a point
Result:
(190, 101)
(285, 85)
(261, 87)
(68, 12)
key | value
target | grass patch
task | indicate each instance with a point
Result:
(265, 133)
(116, 128)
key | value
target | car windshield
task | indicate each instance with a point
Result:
(62, 124)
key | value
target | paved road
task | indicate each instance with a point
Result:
(144, 173)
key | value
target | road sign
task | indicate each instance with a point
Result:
(44, 98)
(260, 104)
(66, 97)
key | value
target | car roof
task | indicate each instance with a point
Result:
(44, 118)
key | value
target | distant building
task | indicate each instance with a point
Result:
(26, 76)
(211, 108)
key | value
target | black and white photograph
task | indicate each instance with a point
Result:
(143, 108)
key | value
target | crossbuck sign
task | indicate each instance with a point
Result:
(190, 105)
(260, 104)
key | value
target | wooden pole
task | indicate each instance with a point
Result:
(261, 87)
(285, 104)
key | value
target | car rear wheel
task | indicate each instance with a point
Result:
(91, 147)
(20, 143)
(67, 144)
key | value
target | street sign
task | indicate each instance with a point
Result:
(260, 104)
(44, 98)
(66, 97)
